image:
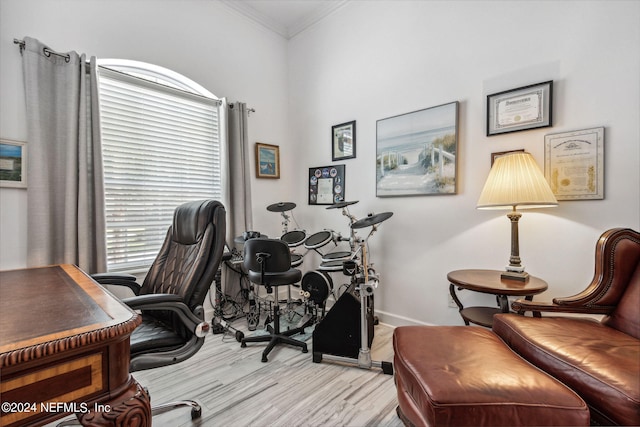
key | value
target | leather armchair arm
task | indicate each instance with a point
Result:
(616, 258)
(173, 303)
(521, 306)
(118, 279)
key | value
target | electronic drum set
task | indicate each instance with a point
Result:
(317, 285)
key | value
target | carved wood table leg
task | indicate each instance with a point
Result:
(131, 408)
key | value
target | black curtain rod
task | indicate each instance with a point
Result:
(47, 52)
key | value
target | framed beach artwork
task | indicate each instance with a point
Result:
(267, 161)
(13, 164)
(416, 153)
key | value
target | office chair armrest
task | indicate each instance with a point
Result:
(521, 306)
(173, 303)
(149, 300)
(118, 279)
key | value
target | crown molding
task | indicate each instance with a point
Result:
(285, 31)
(249, 12)
(321, 13)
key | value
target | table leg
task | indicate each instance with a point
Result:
(452, 291)
(503, 303)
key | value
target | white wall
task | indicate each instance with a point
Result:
(367, 61)
(375, 59)
(203, 40)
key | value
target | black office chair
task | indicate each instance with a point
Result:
(173, 292)
(268, 264)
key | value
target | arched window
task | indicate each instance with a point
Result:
(161, 138)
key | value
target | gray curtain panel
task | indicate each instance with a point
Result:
(240, 217)
(240, 214)
(66, 219)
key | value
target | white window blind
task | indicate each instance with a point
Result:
(161, 148)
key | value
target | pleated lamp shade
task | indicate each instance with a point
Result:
(515, 180)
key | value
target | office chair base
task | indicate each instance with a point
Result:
(196, 409)
(275, 338)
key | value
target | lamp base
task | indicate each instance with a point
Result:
(522, 276)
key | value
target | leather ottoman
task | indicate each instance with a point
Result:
(467, 376)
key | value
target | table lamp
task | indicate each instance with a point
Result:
(516, 181)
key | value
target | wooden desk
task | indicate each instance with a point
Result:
(490, 282)
(64, 348)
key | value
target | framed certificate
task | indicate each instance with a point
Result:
(527, 107)
(574, 164)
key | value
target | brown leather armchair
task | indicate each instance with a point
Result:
(599, 360)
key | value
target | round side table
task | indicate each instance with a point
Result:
(490, 282)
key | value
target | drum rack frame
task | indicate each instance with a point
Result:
(365, 284)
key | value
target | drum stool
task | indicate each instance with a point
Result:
(268, 263)
(466, 376)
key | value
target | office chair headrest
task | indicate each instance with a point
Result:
(190, 220)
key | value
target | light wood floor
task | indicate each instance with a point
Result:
(236, 389)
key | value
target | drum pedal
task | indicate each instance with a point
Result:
(306, 320)
(217, 328)
(221, 326)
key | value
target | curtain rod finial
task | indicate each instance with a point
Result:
(19, 42)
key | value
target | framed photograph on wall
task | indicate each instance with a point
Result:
(326, 185)
(267, 161)
(343, 141)
(574, 164)
(13, 164)
(524, 108)
(416, 153)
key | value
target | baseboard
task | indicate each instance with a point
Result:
(389, 319)
(395, 320)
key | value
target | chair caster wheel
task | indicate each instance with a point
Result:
(239, 336)
(264, 359)
(304, 350)
(243, 344)
(196, 413)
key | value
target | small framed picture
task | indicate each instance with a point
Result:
(13, 164)
(343, 141)
(524, 108)
(267, 161)
(574, 164)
